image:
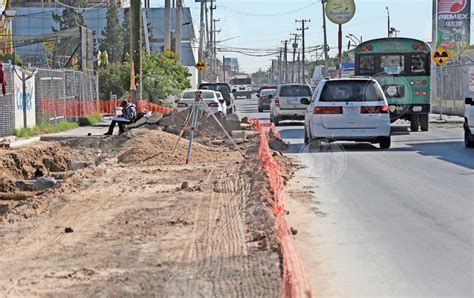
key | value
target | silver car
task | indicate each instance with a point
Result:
(286, 102)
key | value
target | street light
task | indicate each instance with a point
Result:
(388, 21)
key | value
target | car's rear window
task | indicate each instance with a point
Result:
(295, 90)
(268, 91)
(192, 94)
(343, 91)
(216, 87)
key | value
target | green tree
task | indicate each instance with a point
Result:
(162, 77)
(113, 38)
(68, 19)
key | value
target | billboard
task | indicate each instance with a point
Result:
(453, 25)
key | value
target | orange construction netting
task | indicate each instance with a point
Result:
(69, 108)
(295, 279)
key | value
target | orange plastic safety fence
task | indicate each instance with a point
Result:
(71, 108)
(67, 108)
(295, 280)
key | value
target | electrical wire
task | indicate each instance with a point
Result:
(80, 8)
(269, 15)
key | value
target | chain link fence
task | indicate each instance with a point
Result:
(59, 95)
(451, 85)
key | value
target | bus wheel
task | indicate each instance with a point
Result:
(424, 122)
(414, 123)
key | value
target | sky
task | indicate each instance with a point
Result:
(265, 23)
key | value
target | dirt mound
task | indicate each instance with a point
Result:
(21, 164)
(156, 147)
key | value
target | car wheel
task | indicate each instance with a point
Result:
(414, 123)
(468, 139)
(424, 122)
(385, 143)
(260, 110)
(306, 138)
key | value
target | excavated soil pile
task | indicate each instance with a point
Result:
(142, 223)
(21, 164)
(156, 147)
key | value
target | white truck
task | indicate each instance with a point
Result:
(241, 86)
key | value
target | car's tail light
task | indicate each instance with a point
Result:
(424, 82)
(213, 105)
(374, 110)
(327, 110)
(276, 101)
(424, 93)
(182, 105)
(418, 93)
(418, 82)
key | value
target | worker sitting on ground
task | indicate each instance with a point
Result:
(129, 112)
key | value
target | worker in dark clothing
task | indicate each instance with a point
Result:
(129, 112)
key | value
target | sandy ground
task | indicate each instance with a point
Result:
(144, 224)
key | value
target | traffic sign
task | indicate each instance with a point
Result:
(441, 56)
(201, 65)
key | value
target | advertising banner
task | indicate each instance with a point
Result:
(453, 25)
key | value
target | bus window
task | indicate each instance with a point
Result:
(392, 64)
(417, 64)
(367, 65)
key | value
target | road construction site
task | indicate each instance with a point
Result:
(124, 215)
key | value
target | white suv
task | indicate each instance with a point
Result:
(350, 109)
(469, 123)
(286, 102)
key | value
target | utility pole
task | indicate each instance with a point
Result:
(214, 50)
(299, 75)
(285, 74)
(295, 46)
(201, 38)
(280, 73)
(212, 40)
(303, 29)
(326, 54)
(167, 29)
(135, 36)
(388, 21)
(179, 29)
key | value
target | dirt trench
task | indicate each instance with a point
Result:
(140, 222)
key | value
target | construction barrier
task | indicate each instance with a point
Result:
(57, 107)
(295, 279)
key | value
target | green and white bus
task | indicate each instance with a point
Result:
(402, 67)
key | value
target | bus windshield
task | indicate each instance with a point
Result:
(404, 64)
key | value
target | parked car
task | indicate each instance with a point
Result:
(221, 101)
(286, 102)
(469, 123)
(350, 109)
(263, 87)
(209, 97)
(226, 91)
(264, 99)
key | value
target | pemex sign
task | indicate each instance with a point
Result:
(453, 25)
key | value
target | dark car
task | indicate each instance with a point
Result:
(264, 99)
(263, 87)
(226, 92)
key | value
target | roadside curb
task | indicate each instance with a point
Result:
(295, 279)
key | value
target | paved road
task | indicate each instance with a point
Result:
(396, 222)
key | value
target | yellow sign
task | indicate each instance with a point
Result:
(340, 11)
(201, 65)
(49, 45)
(441, 56)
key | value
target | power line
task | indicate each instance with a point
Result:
(270, 15)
